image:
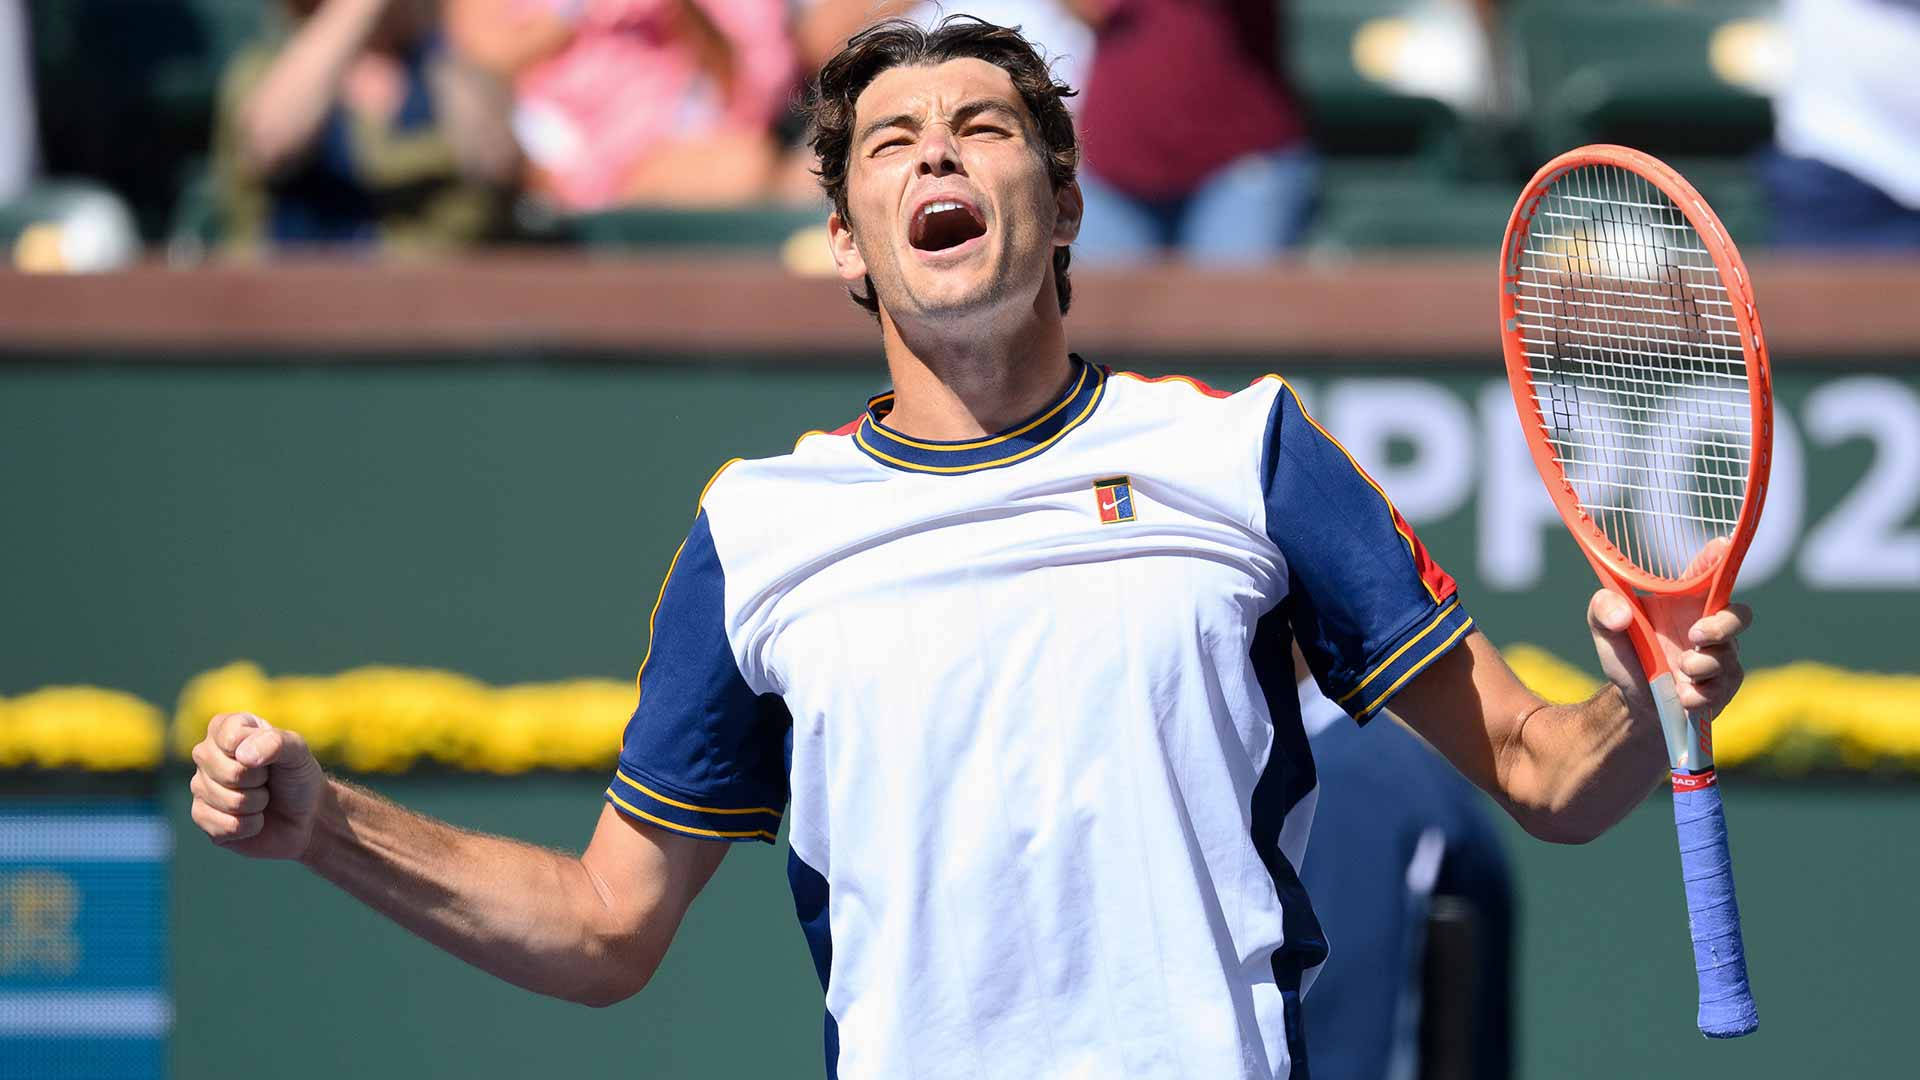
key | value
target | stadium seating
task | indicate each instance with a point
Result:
(126, 89)
(1338, 53)
(1641, 73)
(67, 226)
(1370, 207)
(1401, 104)
(1425, 139)
(763, 228)
(1430, 153)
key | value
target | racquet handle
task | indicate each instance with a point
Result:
(1713, 915)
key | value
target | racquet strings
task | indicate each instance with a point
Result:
(1637, 367)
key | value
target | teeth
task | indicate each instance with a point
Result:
(938, 207)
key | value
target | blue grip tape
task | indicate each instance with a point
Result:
(1713, 915)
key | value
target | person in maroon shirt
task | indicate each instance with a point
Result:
(1194, 142)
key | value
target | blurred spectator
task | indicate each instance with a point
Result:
(639, 101)
(1194, 142)
(1409, 879)
(822, 26)
(1847, 169)
(361, 128)
(19, 149)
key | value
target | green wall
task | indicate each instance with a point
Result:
(272, 966)
(511, 520)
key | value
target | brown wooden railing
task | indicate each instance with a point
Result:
(1433, 307)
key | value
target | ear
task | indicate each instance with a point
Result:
(1068, 207)
(846, 254)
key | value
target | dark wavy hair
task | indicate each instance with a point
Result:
(900, 43)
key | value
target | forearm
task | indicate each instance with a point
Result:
(536, 918)
(283, 115)
(476, 106)
(504, 37)
(1094, 13)
(822, 28)
(1570, 772)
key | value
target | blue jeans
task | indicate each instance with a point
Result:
(1245, 212)
(1818, 206)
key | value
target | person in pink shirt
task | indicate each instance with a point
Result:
(638, 101)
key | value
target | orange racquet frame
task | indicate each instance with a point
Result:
(1655, 620)
(1664, 607)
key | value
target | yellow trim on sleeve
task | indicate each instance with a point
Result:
(1393, 513)
(677, 827)
(1408, 644)
(648, 655)
(1418, 667)
(657, 797)
(804, 435)
(1008, 460)
(730, 462)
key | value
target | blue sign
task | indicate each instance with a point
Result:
(83, 905)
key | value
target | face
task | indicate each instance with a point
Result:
(949, 207)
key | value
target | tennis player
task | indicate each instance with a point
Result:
(1009, 654)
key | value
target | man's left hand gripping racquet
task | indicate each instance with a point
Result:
(1635, 356)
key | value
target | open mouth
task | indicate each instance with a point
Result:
(943, 224)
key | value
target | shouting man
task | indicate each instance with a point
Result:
(1010, 654)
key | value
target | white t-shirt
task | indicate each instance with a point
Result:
(1030, 700)
(1853, 98)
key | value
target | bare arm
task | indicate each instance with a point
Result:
(590, 929)
(1566, 773)
(503, 37)
(1094, 13)
(281, 117)
(474, 109)
(820, 29)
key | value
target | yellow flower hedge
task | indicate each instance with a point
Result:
(388, 719)
(80, 727)
(1790, 719)
(1787, 719)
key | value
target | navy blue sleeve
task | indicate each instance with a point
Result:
(1369, 607)
(703, 755)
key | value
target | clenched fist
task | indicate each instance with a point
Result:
(256, 789)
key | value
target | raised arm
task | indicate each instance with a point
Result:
(590, 929)
(507, 36)
(1379, 622)
(1567, 772)
(283, 113)
(476, 108)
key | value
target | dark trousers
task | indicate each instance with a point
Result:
(1817, 205)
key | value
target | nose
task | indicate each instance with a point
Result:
(939, 153)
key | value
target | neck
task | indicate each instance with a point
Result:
(962, 381)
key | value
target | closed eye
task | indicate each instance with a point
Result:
(889, 144)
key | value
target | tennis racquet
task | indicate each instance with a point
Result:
(1637, 365)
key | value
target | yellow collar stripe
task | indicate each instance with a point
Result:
(860, 437)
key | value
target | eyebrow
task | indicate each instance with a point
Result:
(961, 115)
